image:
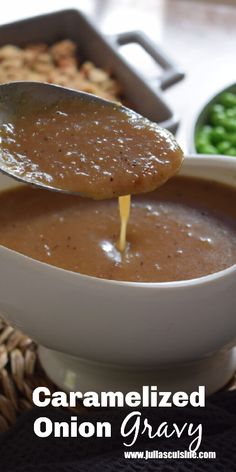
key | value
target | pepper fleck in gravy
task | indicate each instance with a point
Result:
(183, 230)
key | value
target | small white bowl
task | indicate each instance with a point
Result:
(123, 335)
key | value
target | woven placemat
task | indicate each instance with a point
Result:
(21, 372)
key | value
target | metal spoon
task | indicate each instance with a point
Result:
(19, 99)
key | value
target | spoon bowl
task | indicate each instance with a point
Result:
(78, 143)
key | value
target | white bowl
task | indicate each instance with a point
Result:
(125, 334)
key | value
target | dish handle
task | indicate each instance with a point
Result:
(171, 72)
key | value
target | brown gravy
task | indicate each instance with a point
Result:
(97, 151)
(185, 229)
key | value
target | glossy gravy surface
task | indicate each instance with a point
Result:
(95, 150)
(185, 229)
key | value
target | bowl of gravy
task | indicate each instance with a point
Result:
(162, 310)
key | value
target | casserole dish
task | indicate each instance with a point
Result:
(104, 52)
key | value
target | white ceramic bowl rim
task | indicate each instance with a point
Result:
(161, 285)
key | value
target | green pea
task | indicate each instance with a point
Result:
(230, 124)
(201, 144)
(217, 108)
(228, 99)
(231, 112)
(232, 152)
(203, 137)
(217, 119)
(207, 149)
(206, 130)
(218, 134)
(231, 138)
(223, 147)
